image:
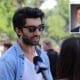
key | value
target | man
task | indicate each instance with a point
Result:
(17, 62)
(77, 27)
(52, 54)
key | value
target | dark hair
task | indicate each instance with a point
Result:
(48, 42)
(26, 12)
(69, 59)
(78, 8)
(7, 44)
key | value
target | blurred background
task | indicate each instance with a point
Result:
(56, 19)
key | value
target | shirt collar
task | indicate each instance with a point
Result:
(18, 49)
(20, 52)
(78, 24)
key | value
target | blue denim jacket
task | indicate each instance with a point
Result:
(12, 64)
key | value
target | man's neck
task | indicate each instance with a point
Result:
(29, 51)
(27, 48)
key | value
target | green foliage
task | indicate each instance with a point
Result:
(7, 9)
(63, 7)
(56, 27)
(6, 13)
(57, 20)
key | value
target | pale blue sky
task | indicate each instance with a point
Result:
(48, 4)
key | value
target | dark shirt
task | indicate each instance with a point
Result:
(53, 57)
(75, 29)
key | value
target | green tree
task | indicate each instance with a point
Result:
(63, 10)
(58, 20)
(7, 9)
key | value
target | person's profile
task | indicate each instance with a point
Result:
(75, 17)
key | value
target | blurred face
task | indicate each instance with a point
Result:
(45, 47)
(78, 15)
(31, 31)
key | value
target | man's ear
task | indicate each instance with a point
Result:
(18, 31)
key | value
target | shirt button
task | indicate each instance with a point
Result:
(20, 76)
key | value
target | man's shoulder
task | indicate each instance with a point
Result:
(52, 51)
(9, 56)
(75, 29)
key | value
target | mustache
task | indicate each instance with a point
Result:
(35, 36)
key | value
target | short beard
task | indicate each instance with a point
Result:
(27, 41)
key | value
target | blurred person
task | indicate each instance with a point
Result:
(17, 62)
(52, 54)
(6, 45)
(77, 27)
(69, 60)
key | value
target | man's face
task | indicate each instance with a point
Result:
(45, 47)
(78, 15)
(29, 35)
